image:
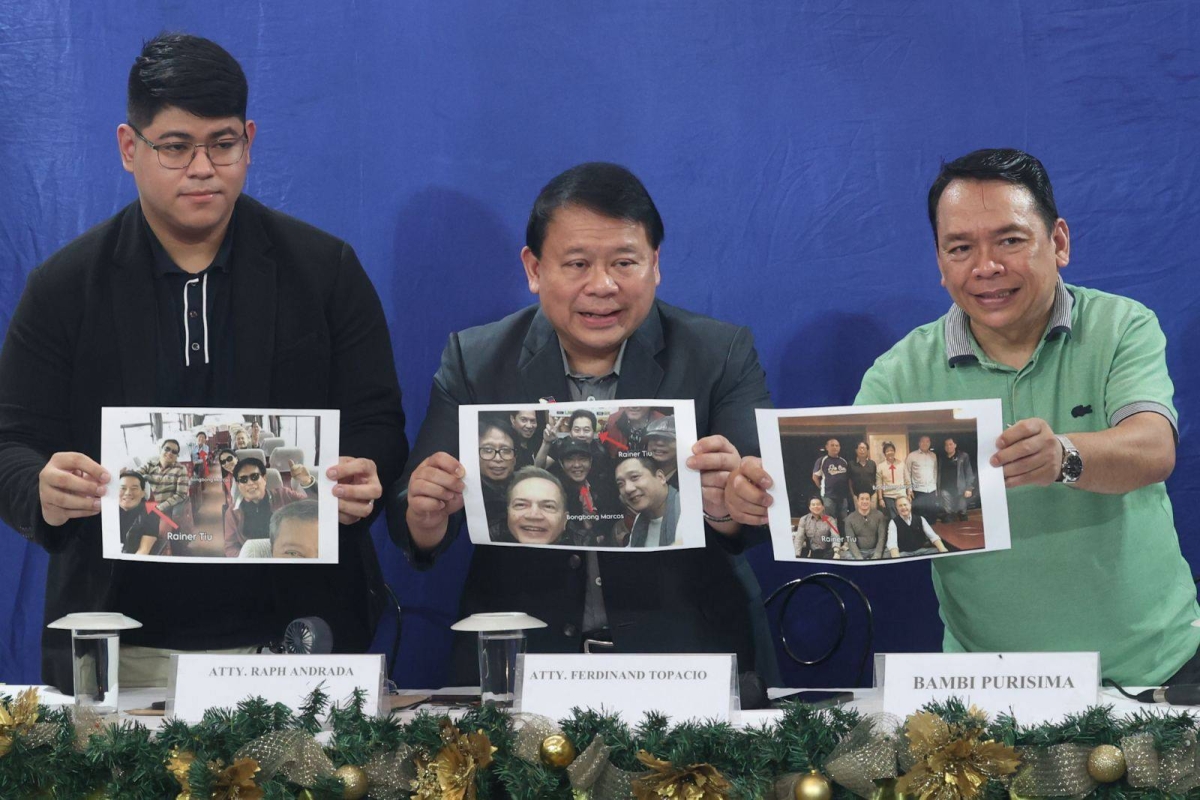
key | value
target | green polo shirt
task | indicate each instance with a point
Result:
(1086, 571)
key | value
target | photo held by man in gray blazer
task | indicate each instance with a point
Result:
(598, 333)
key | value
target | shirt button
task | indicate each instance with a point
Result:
(574, 561)
(193, 314)
(195, 346)
(598, 583)
(570, 630)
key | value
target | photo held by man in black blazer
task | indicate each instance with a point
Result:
(597, 333)
(197, 296)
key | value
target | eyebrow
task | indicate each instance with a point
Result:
(957, 236)
(581, 249)
(227, 131)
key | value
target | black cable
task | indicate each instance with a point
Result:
(1118, 687)
(399, 628)
(820, 579)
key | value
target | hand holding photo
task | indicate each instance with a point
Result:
(220, 485)
(915, 482)
(591, 475)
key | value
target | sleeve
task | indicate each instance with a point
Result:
(741, 389)
(817, 466)
(363, 377)
(35, 387)
(891, 535)
(929, 534)
(439, 433)
(1137, 377)
(877, 385)
(969, 472)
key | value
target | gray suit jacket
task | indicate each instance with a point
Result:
(661, 602)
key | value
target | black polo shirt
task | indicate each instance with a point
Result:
(194, 312)
(222, 605)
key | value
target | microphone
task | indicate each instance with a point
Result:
(753, 690)
(1182, 694)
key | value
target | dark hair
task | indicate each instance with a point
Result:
(223, 450)
(128, 473)
(607, 189)
(645, 460)
(526, 473)
(186, 72)
(301, 510)
(583, 413)
(834, 439)
(950, 439)
(201, 433)
(250, 462)
(888, 446)
(860, 494)
(499, 422)
(166, 442)
(1011, 166)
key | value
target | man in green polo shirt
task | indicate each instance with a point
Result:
(1089, 439)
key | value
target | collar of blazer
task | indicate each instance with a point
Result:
(135, 306)
(541, 368)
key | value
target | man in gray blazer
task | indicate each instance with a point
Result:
(592, 258)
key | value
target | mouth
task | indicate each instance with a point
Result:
(534, 531)
(995, 297)
(635, 499)
(200, 196)
(599, 319)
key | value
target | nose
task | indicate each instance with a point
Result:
(201, 166)
(600, 282)
(988, 265)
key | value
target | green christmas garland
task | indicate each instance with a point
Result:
(125, 761)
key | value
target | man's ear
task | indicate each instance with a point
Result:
(126, 144)
(1061, 236)
(251, 129)
(533, 269)
(657, 275)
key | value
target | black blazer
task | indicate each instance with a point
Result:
(685, 601)
(83, 336)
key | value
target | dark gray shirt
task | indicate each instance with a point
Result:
(593, 387)
(866, 535)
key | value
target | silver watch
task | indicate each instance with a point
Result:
(1072, 464)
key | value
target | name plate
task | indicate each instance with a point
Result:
(681, 686)
(200, 681)
(1034, 687)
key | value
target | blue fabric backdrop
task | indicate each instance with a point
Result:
(789, 146)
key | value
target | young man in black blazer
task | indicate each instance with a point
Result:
(157, 307)
(591, 257)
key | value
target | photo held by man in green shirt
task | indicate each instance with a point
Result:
(1090, 434)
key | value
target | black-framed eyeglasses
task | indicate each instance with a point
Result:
(224, 152)
(488, 452)
(248, 478)
(171, 450)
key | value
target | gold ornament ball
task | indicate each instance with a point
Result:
(557, 751)
(813, 786)
(1106, 763)
(354, 782)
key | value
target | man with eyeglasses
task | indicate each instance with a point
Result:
(167, 477)
(250, 516)
(146, 310)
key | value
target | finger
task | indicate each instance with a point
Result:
(426, 506)
(705, 462)
(446, 463)
(70, 482)
(68, 501)
(423, 488)
(348, 468)
(439, 477)
(359, 509)
(80, 462)
(714, 444)
(1028, 448)
(752, 469)
(358, 491)
(716, 479)
(57, 516)
(1021, 430)
(747, 496)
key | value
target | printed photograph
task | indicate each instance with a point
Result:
(871, 484)
(219, 485)
(592, 475)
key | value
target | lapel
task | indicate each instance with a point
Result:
(135, 308)
(641, 373)
(540, 365)
(254, 301)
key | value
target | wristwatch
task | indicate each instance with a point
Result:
(1072, 464)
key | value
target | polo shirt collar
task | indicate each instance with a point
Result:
(165, 265)
(958, 326)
